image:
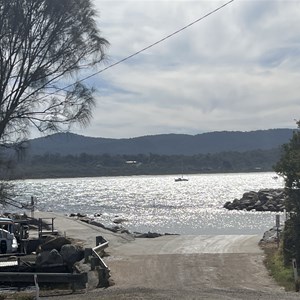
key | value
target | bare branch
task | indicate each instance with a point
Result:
(42, 42)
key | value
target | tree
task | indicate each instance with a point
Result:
(43, 46)
(289, 167)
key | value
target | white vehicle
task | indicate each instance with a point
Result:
(8, 241)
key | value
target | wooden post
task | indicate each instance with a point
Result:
(93, 263)
(99, 240)
(103, 276)
(87, 254)
(294, 263)
(277, 228)
(32, 207)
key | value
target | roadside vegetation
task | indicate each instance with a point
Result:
(274, 262)
(279, 261)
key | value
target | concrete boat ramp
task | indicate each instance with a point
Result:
(177, 267)
(81, 231)
(124, 244)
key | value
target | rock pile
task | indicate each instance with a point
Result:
(263, 200)
(117, 228)
(58, 251)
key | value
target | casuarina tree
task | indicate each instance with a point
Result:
(43, 46)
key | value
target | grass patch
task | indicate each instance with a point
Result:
(283, 275)
(17, 296)
(25, 297)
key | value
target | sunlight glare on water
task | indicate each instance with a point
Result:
(158, 203)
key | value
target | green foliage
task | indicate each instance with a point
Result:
(56, 165)
(289, 167)
(291, 239)
(289, 164)
(278, 270)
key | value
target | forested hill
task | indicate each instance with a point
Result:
(163, 144)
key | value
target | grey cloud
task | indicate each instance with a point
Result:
(275, 57)
(236, 70)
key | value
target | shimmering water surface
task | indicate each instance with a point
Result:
(158, 203)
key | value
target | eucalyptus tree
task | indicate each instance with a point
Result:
(43, 46)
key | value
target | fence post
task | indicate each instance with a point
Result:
(99, 240)
(32, 207)
(294, 263)
(37, 287)
(87, 254)
(277, 228)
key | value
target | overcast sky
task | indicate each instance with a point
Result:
(237, 69)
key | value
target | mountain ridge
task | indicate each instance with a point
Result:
(163, 144)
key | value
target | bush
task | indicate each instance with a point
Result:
(283, 274)
(291, 240)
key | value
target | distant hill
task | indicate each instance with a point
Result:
(163, 144)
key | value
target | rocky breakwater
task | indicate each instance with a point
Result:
(263, 200)
(117, 226)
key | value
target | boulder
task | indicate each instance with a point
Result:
(120, 220)
(80, 215)
(271, 235)
(251, 196)
(71, 253)
(55, 243)
(228, 205)
(85, 219)
(49, 258)
(150, 235)
(98, 224)
(271, 207)
(257, 203)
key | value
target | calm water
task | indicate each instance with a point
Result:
(157, 203)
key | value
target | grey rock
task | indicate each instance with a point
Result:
(71, 253)
(49, 258)
(55, 243)
(263, 200)
(271, 235)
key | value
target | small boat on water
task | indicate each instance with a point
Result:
(181, 179)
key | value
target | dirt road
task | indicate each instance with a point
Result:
(182, 267)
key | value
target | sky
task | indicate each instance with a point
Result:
(236, 70)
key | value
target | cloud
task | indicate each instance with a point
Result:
(238, 69)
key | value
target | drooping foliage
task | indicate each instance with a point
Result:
(43, 45)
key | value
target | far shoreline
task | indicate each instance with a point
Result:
(141, 175)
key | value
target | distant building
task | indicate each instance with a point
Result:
(131, 162)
